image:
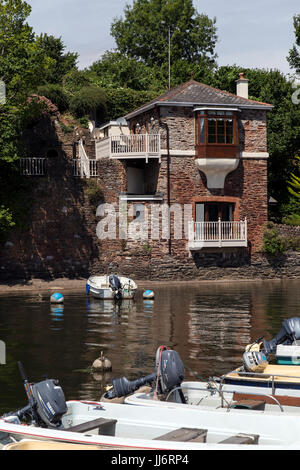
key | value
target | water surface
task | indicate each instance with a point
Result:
(208, 324)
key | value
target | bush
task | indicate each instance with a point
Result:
(6, 222)
(56, 94)
(90, 99)
(94, 193)
(292, 219)
(273, 244)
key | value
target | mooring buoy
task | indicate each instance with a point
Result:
(102, 363)
(57, 298)
(148, 294)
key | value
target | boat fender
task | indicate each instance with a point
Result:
(57, 298)
(102, 363)
(87, 289)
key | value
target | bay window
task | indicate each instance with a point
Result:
(216, 133)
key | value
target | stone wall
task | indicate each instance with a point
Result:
(253, 131)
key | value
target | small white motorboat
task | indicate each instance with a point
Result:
(266, 385)
(48, 417)
(211, 396)
(271, 366)
(121, 426)
(111, 287)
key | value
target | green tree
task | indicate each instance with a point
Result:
(62, 62)
(294, 53)
(22, 62)
(143, 33)
(116, 70)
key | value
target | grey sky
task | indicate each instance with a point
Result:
(257, 33)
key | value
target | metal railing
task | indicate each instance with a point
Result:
(119, 146)
(271, 380)
(218, 232)
(32, 166)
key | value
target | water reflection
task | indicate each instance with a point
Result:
(217, 331)
(209, 325)
(57, 314)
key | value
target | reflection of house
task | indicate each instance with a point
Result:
(202, 147)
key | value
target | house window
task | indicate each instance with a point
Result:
(216, 128)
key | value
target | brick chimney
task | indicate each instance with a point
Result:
(242, 86)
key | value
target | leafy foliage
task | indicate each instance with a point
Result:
(56, 94)
(294, 182)
(22, 62)
(6, 221)
(61, 62)
(294, 54)
(89, 99)
(272, 243)
(144, 32)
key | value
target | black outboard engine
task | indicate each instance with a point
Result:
(46, 402)
(168, 373)
(50, 402)
(116, 286)
(290, 332)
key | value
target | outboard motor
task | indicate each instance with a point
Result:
(50, 402)
(254, 361)
(168, 373)
(116, 286)
(290, 332)
(46, 402)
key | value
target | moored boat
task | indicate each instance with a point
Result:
(111, 287)
(121, 426)
(257, 380)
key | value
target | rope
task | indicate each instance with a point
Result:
(195, 373)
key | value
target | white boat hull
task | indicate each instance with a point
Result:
(201, 395)
(140, 427)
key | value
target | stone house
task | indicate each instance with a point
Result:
(183, 191)
(195, 157)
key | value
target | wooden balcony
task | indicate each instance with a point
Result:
(129, 147)
(217, 151)
(217, 234)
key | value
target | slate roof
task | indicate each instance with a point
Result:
(193, 93)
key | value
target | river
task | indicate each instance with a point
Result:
(208, 324)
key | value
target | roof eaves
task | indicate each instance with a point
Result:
(252, 105)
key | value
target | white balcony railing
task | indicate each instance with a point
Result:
(32, 166)
(84, 162)
(129, 146)
(77, 169)
(217, 234)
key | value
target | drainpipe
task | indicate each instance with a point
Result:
(165, 125)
